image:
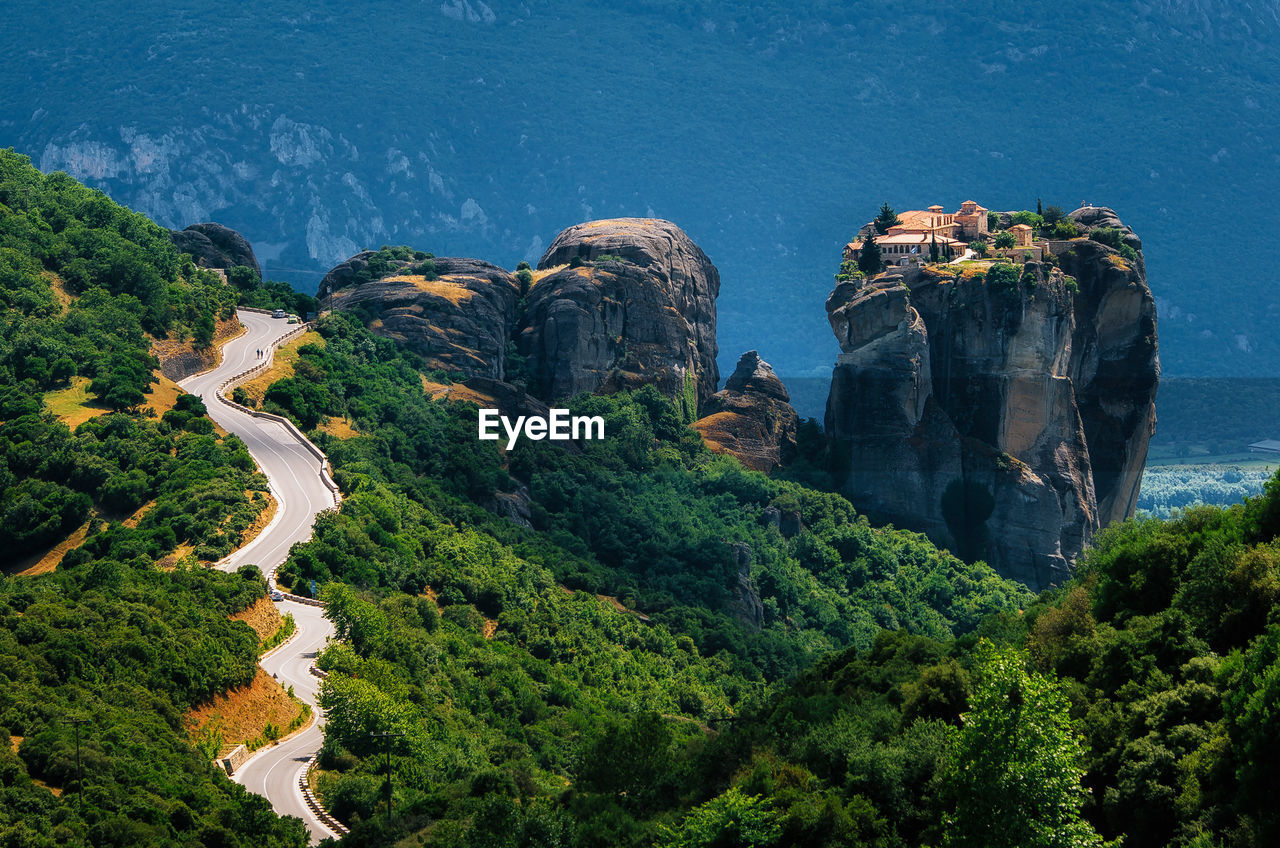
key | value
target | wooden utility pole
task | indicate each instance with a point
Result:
(386, 736)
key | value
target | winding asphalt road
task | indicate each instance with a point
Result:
(294, 474)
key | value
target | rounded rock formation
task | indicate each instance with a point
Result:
(460, 321)
(622, 303)
(215, 246)
(751, 418)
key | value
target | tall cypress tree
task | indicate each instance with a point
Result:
(869, 259)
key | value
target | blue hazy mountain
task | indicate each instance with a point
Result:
(767, 130)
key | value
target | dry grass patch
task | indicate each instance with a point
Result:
(538, 274)
(179, 554)
(243, 714)
(617, 222)
(262, 616)
(452, 291)
(282, 365)
(456, 391)
(59, 290)
(337, 426)
(132, 521)
(73, 405)
(43, 563)
(164, 394)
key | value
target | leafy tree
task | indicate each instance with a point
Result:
(1015, 772)
(525, 277)
(1004, 240)
(886, 219)
(1052, 215)
(632, 758)
(1031, 219)
(848, 271)
(204, 330)
(243, 278)
(730, 820)
(1065, 229)
(1002, 278)
(979, 247)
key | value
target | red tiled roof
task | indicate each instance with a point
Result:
(914, 238)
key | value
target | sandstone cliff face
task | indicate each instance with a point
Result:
(460, 322)
(751, 418)
(1008, 424)
(215, 246)
(633, 304)
(616, 304)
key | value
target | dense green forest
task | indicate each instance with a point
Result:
(1136, 702)
(485, 643)
(112, 639)
(631, 641)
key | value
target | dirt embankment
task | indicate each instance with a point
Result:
(262, 617)
(243, 714)
(180, 359)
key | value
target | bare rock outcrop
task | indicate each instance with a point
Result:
(1007, 421)
(745, 604)
(215, 246)
(460, 321)
(751, 417)
(626, 302)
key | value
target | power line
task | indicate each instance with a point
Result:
(386, 736)
(76, 722)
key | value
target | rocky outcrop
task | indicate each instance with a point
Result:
(1097, 217)
(460, 322)
(215, 246)
(751, 418)
(1008, 421)
(614, 305)
(745, 604)
(627, 302)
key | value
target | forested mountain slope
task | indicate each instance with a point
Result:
(1140, 692)
(130, 631)
(643, 577)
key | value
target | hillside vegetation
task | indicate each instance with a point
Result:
(129, 632)
(890, 696)
(624, 642)
(510, 655)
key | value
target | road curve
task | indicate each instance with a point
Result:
(295, 476)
